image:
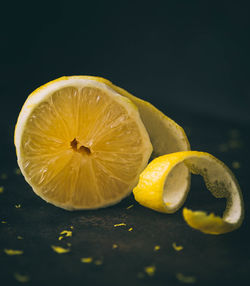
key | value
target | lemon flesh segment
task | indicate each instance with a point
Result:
(80, 144)
(160, 188)
(165, 134)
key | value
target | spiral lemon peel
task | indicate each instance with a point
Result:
(161, 188)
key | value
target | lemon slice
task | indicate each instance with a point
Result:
(160, 188)
(80, 144)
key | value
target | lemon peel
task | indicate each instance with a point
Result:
(21, 278)
(159, 188)
(98, 262)
(13, 252)
(120, 224)
(129, 207)
(86, 259)
(3, 176)
(157, 248)
(177, 247)
(59, 249)
(150, 270)
(185, 279)
(65, 233)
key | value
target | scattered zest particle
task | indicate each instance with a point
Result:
(185, 279)
(150, 270)
(65, 233)
(177, 248)
(13, 252)
(21, 278)
(71, 227)
(236, 164)
(3, 176)
(69, 244)
(86, 259)
(3, 221)
(18, 206)
(98, 262)
(130, 229)
(157, 247)
(1, 189)
(114, 246)
(59, 249)
(129, 207)
(19, 237)
(120, 224)
(17, 171)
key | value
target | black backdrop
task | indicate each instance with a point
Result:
(186, 55)
(191, 60)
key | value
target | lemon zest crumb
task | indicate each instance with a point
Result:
(13, 252)
(236, 164)
(98, 262)
(150, 270)
(120, 224)
(59, 249)
(65, 233)
(1, 189)
(130, 229)
(3, 221)
(157, 247)
(185, 279)
(129, 207)
(114, 246)
(21, 278)
(177, 247)
(18, 206)
(71, 227)
(86, 259)
(3, 176)
(17, 171)
(19, 237)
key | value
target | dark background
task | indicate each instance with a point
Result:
(188, 58)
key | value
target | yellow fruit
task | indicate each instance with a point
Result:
(80, 144)
(166, 135)
(161, 188)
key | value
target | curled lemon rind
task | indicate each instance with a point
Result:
(162, 188)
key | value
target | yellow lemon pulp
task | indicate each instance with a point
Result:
(80, 144)
(161, 188)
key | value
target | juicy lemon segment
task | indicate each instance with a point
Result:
(165, 134)
(80, 144)
(161, 188)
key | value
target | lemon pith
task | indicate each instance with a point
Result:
(80, 144)
(160, 188)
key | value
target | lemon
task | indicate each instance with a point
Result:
(161, 188)
(80, 144)
(165, 134)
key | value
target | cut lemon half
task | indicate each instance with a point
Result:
(161, 188)
(80, 144)
(165, 134)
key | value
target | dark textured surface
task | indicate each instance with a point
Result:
(191, 60)
(213, 260)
